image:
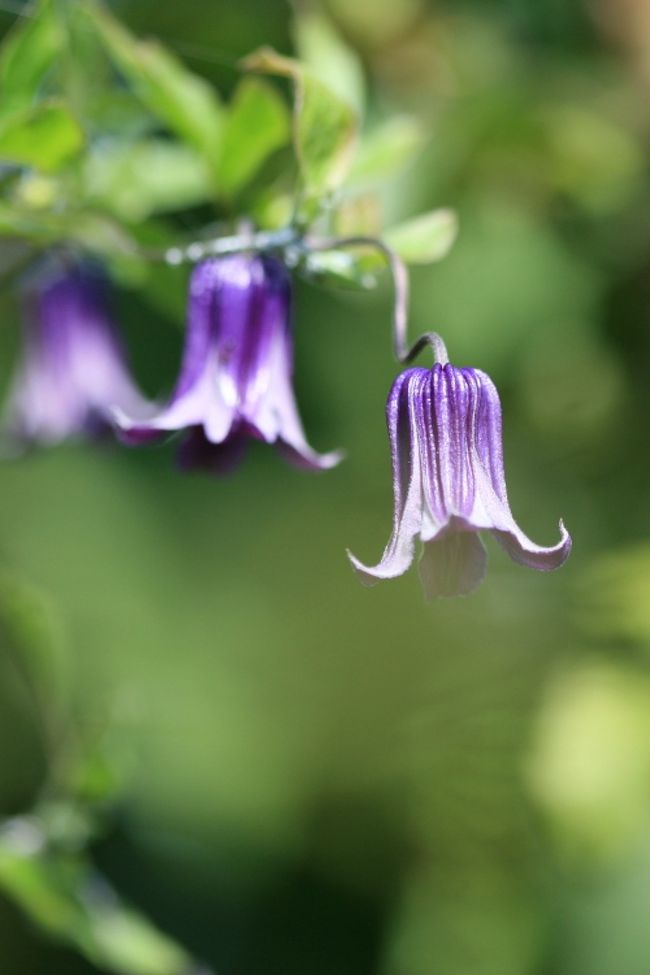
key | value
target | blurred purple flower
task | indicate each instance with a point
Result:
(444, 426)
(72, 372)
(236, 376)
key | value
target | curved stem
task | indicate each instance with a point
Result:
(437, 345)
(403, 352)
(400, 283)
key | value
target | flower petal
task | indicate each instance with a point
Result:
(200, 405)
(521, 549)
(403, 415)
(306, 459)
(73, 367)
(452, 564)
(449, 406)
(492, 508)
(276, 415)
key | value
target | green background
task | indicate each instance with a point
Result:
(319, 778)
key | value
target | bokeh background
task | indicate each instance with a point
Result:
(305, 775)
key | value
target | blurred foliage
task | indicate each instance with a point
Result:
(205, 712)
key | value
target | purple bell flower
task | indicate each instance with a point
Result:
(236, 376)
(444, 426)
(73, 372)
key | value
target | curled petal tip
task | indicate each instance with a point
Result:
(130, 431)
(543, 558)
(332, 459)
(567, 542)
(367, 575)
(306, 459)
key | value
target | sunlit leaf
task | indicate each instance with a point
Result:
(376, 23)
(425, 239)
(272, 208)
(328, 58)
(44, 136)
(185, 102)
(27, 54)
(344, 268)
(324, 126)
(256, 125)
(386, 150)
(358, 214)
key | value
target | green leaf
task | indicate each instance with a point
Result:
(324, 126)
(27, 54)
(328, 57)
(32, 636)
(257, 124)
(69, 900)
(44, 136)
(185, 102)
(136, 180)
(386, 150)
(95, 231)
(344, 269)
(425, 239)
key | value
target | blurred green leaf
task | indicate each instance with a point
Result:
(386, 150)
(84, 70)
(95, 231)
(256, 125)
(150, 176)
(346, 269)
(27, 53)
(32, 638)
(69, 900)
(324, 126)
(590, 157)
(328, 57)
(98, 233)
(425, 239)
(272, 207)
(31, 627)
(117, 112)
(44, 136)
(377, 22)
(185, 102)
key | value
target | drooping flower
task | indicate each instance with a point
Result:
(236, 376)
(73, 372)
(444, 426)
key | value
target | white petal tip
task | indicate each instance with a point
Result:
(545, 559)
(366, 575)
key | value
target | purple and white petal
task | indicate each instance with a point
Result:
(492, 503)
(73, 371)
(403, 415)
(521, 549)
(236, 376)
